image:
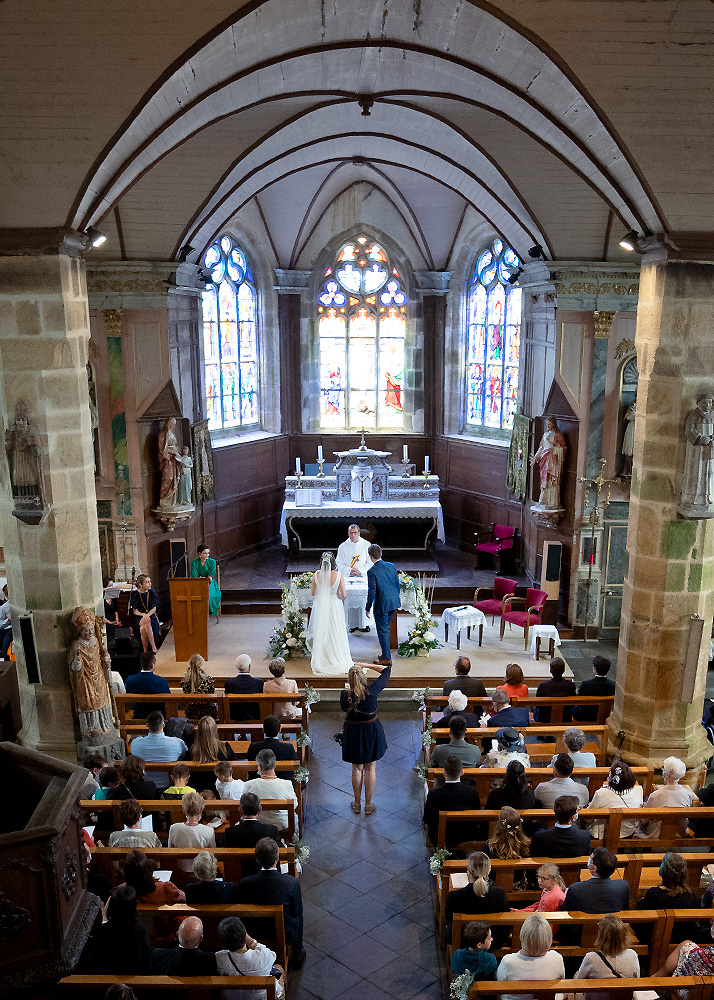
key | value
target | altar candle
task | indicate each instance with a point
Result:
(297, 466)
(405, 455)
(319, 453)
(426, 465)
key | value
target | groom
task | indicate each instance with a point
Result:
(383, 593)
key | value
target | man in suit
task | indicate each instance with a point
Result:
(600, 894)
(270, 887)
(453, 795)
(557, 687)
(473, 687)
(243, 683)
(560, 784)
(188, 959)
(506, 715)
(468, 753)
(272, 741)
(250, 829)
(565, 839)
(147, 682)
(383, 593)
(598, 686)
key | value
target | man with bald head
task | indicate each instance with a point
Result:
(188, 959)
(243, 683)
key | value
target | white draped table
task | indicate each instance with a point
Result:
(334, 510)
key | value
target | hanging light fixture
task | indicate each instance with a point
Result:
(629, 240)
(95, 237)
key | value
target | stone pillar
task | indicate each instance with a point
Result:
(671, 560)
(52, 566)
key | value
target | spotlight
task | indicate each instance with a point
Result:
(95, 237)
(513, 278)
(536, 252)
(205, 275)
(629, 240)
(366, 103)
(185, 252)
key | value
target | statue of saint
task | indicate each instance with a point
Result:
(23, 458)
(170, 463)
(90, 676)
(186, 481)
(697, 497)
(549, 457)
(628, 440)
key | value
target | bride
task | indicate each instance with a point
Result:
(327, 632)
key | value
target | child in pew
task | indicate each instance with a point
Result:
(109, 778)
(180, 775)
(214, 818)
(475, 956)
(227, 787)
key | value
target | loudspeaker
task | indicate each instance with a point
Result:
(29, 647)
(550, 569)
(177, 557)
(122, 641)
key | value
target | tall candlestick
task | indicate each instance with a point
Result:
(297, 466)
(426, 465)
(319, 453)
(405, 454)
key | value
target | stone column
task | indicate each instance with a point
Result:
(671, 560)
(52, 566)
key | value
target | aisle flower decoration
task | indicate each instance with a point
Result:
(421, 639)
(302, 775)
(311, 696)
(420, 696)
(461, 985)
(302, 851)
(436, 861)
(288, 639)
(422, 769)
(302, 739)
(427, 740)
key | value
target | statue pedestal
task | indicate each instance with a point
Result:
(171, 516)
(548, 517)
(110, 745)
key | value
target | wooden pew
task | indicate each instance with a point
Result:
(538, 752)
(226, 732)
(698, 988)
(175, 703)
(108, 860)
(603, 704)
(483, 777)
(198, 987)
(175, 808)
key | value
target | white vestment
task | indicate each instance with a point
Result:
(356, 616)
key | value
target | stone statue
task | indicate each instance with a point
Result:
(170, 462)
(186, 481)
(90, 673)
(697, 497)
(24, 460)
(550, 456)
(361, 480)
(628, 441)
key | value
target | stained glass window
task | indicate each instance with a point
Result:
(229, 338)
(361, 307)
(493, 339)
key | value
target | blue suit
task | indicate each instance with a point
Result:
(383, 595)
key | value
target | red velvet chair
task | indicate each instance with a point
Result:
(500, 546)
(533, 602)
(490, 599)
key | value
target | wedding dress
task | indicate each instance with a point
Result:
(327, 632)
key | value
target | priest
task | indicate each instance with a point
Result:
(353, 562)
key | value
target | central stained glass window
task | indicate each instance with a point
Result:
(361, 310)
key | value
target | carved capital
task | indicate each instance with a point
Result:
(603, 322)
(624, 347)
(112, 321)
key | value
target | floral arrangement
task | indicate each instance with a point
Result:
(420, 696)
(303, 581)
(422, 769)
(303, 740)
(427, 740)
(288, 639)
(406, 582)
(436, 861)
(311, 697)
(461, 985)
(302, 851)
(421, 638)
(302, 775)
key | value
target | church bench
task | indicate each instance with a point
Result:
(228, 732)
(668, 839)
(108, 861)
(174, 807)
(698, 987)
(175, 703)
(195, 987)
(483, 777)
(596, 740)
(603, 704)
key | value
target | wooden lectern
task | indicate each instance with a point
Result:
(189, 612)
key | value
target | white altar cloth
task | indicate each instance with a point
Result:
(385, 508)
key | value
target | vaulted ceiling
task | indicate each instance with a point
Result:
(560, 123)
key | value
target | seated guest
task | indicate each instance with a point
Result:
(557, 687)
(134, 781)
(132, 835)
(207, 749)
(560, 784)
(280, 684)
(109, 780)
(611, 959)
(468, 753)
(670, 795)
(192, 833)
(120, 945)
(139, 874)
(598, 686)
(689, 959)
(251, 828)
(574, 740)
(180, 775)
(270, 887)
(242, 954)
(514, 790)
(508, 840)
(478, 897)
(147, 682)
(227, 787)
(601, 893)
(98, 885)
(510, 746)
(270, 786)
(552, 887)
(565, 839)
(281, 748)
(474, 955)
(197, 681)
(535, 960)
(505, 714)
(620, 791)
(143, 611)
(457, 706)
(94, 763)
(157, 747)
(515, 686)
(244, 684)
(452, 795)
(188, 959)
(120, 991)
(209, 889)
(672, 893)
(5, 624)
(472, 687)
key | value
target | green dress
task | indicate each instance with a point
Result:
(214, 591)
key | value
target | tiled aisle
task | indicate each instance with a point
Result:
(369, 927)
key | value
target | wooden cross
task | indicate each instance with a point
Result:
(189, 611)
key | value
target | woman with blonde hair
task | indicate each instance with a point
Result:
(552, 887)
(612, 959)
(207, 749)
(478, 897)
(280, 684)
(363, 739)
(508, 840)
(197, 681)
(535, 960)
